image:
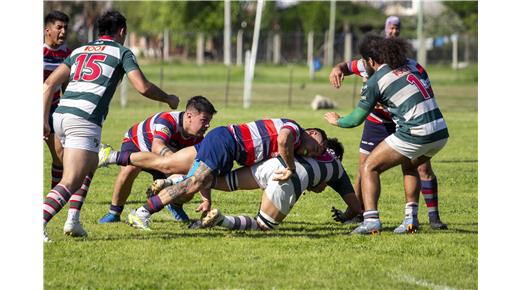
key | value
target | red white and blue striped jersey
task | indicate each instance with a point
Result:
(166, 126)
(380, 114)
(258, 140)
(52, 58)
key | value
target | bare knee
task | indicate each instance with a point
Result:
(426, 171)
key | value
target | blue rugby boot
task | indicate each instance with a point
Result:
(110, 218)
(178, 212)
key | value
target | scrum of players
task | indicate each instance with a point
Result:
(277, 155)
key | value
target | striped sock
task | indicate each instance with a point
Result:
(371, 215)
(77, 199)
(56, 174)
(431, 198)
(411, 209)
(54, 202)
(116, 209)
(239, 223)
(153, 204)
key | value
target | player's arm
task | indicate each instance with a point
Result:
(150, 90)
(370, 95)
(142, 85)
(354, 119)
(342, 69)
(160, 147)
(286, 150)
(344, 188)
(55, 79)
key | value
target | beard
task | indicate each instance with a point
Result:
(370, 70)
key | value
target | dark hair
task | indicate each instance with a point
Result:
(54, 16)
(201, 104)
(370, 47)
(392, 51)
(395, 51)
(110, 22)
(336, 147)
(321, 131)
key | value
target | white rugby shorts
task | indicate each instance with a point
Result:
(76, 132)
(281, 194)
(412, 150)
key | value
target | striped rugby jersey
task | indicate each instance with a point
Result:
(257, 140)
(96, 68)
(312, 171)
(52, 58)
(381, 115)
(410, 100)
(166, 126)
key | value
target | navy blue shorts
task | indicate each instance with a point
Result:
(130, 146)
(373, 134)
(218, 150)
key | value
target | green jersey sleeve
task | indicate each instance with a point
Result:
(129, 61)
(68, 61)
(369, 95)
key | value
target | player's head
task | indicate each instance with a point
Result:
(112, 24)
(336, 147)
(314, 142)
(394, 51)
(198, 115)
(370, 49)
(392, 27)
(55, 30)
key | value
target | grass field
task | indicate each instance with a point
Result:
(309, 250)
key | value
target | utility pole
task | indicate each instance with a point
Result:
(421, 50)
(227, 32)
(330, 40)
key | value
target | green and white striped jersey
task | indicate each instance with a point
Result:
(96, 69)
(410, 101)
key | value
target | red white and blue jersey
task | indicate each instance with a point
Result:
(258, 140)
(52, 58)
(380, 114)
(166, 126)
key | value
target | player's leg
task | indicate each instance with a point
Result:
(277, 202)
(181, 192)
(381, 159)
(179, 162)
(77, 163)
(80, 140)
(412, 188)
(122, 189)
(54, 145)
(429, 189)
(238, 179)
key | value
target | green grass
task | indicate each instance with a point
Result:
(309, 250)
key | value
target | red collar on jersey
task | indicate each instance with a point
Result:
(106, 37)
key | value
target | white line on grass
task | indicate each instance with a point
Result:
(414, 281)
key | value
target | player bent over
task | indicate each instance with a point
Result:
(245, 143)
(279, 197)
(164, 134)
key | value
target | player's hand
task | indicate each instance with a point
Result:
(173, 101)
(336, 77)
(332, 118)
(319, 187)
(338, 215)
(46, 130)
(204, 207)
(282, 174)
